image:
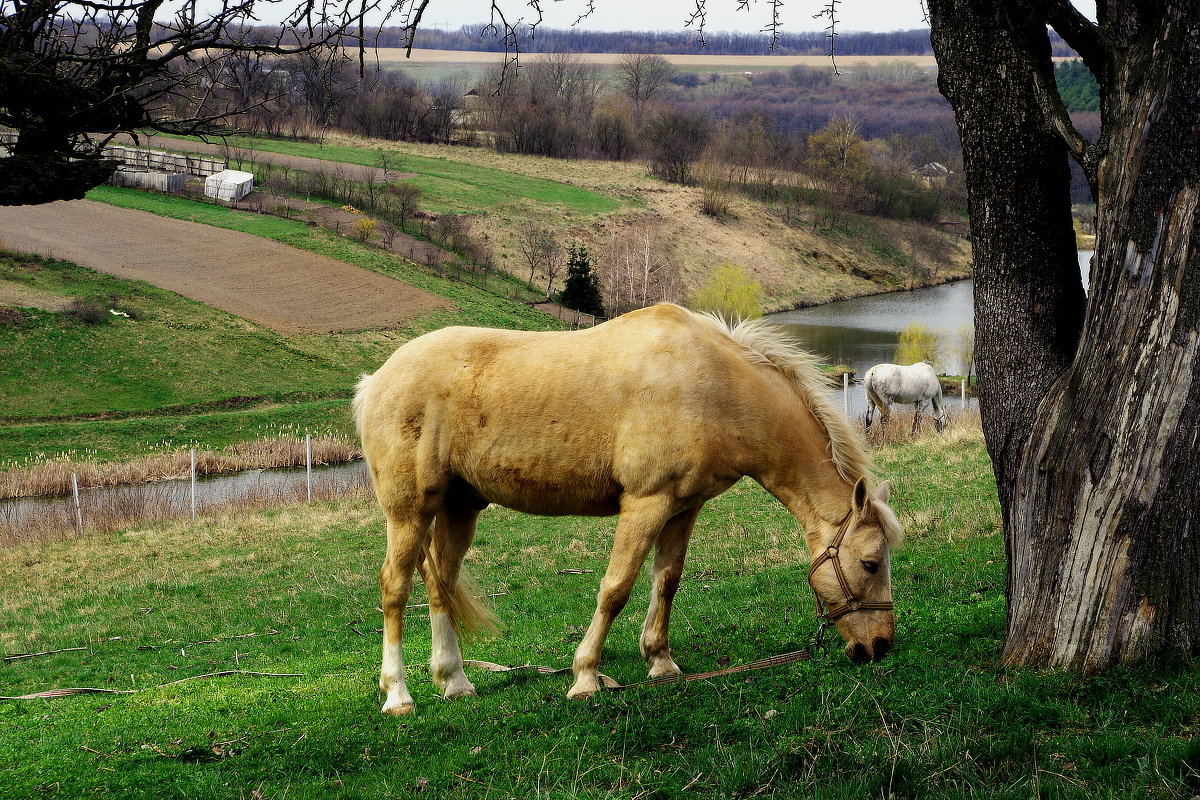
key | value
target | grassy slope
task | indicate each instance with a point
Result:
(448, 185)
(938, 718)
(796, 265)
(181, 354)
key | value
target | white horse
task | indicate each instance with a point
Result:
(892, 383)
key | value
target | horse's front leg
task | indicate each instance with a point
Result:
(668, 569)
(640, 523)
(917, 407)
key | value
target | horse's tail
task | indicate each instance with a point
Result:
(467, 613)
(359, 404)
(875, 399)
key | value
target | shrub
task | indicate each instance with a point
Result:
(364, 228)
(89, 312)
(731, 293)
(918, 343)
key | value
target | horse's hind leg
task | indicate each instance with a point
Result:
(406, 536)
(668, 569)
(638, 527)
(453, 530)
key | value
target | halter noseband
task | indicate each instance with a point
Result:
(852, 603)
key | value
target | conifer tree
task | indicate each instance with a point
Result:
(582, 292)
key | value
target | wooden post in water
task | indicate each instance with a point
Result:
(193, 470)
(964, 395)
(308, 464)
(75, 494)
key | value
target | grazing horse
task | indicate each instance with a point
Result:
(892, 383)
(648, 416)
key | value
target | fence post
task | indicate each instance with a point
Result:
(78, 510)
(964, 395)
(308, 464)
(846, 393)
(193, 471)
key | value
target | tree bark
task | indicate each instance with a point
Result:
(1091, 421)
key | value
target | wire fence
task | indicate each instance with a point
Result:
(32, 520)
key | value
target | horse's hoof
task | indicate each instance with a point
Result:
(465, 691)
(663, 670)
(578, 692)
(397, 709)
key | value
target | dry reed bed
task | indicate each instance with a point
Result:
(110, 512)
(959, 423)
(53, 477)
(155, 502)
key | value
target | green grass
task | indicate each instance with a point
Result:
(449, 186)
(938, 718)
(218, 216)
(176, 352)
(115, 440)
(177, 359)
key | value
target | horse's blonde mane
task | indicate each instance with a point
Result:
(765, 343)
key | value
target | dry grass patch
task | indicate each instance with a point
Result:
(52, 477)
(797, 265)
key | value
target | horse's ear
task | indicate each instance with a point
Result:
(884, 492)
(860, 496)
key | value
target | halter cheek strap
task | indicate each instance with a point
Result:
(851, 603)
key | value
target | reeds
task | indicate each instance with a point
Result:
(108, 511)
(52, 477)
(899, 430)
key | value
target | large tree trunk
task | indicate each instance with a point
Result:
(1093, 431)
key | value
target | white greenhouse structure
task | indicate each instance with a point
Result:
(229, 184)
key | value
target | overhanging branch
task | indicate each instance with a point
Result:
(1084, 36)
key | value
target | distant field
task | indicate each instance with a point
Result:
(396, 55)
(470, 65)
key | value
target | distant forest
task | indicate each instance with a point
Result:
(1077, 86)
(575, 40)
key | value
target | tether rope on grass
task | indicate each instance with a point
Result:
(52, 693)
(609, 684)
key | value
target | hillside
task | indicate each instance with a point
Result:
(830, 257)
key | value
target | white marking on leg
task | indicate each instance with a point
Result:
(445, 662)
(391, 680)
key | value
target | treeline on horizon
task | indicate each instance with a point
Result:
(481, 37)
(576, 40)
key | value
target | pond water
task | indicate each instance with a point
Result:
(173, 498)
(863, 332)
(858, 333)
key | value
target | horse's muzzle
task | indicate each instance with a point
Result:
(859, 653)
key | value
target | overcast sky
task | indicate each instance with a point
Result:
(670, 15)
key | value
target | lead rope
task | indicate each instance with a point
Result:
(816, 651)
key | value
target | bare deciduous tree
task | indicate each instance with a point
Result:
(642, 76)
(540, 250)
(636, 270)
(75, 73)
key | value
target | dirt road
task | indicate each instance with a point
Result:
(287, 290)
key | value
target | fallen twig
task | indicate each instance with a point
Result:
(18, 656)
(51, 693)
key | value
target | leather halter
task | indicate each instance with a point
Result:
(852, 603)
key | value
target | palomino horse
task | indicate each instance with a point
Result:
(892, 383)
(648, 416)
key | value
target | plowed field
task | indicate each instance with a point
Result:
(279, 287)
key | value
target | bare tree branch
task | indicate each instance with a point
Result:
(1084, 37)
